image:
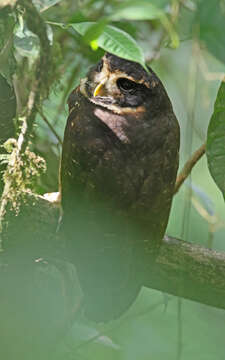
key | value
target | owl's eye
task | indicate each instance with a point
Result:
(126, 85)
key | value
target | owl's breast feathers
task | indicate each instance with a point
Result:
(117, 177)
(130, 160)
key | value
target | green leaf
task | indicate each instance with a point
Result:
(94, 31)
(210, 25)
(115, 41)
(215, 148)
(145, 10)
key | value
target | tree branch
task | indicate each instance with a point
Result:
(182, 176)
(182, 269)
(39, 86)
(189, 271)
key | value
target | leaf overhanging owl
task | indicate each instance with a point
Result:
(118, 169)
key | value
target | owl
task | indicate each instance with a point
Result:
(118, 169)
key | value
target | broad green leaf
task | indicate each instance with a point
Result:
(215, 149)
(115, 41)
(145, 10)
(210, 25)
(94, 31)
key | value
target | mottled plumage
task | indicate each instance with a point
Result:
(119, 165)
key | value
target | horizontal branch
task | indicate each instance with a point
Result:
(189, 271)
(182, 269)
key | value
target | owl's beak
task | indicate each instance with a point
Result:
(100, 89)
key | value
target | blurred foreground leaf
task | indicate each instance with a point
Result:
(215, 149)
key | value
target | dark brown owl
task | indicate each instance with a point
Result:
(119, 165)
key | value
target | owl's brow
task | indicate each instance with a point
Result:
(118, 75)
(143, 80)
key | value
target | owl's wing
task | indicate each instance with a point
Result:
(99, 236)
(117, 188)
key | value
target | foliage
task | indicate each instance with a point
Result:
(25, 170)
(183, 41)
(115, 41)
(216, 140)
(7, 62)
(210, 21)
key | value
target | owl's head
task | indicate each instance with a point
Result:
(122, 86)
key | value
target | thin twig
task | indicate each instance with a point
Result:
(50, 126)
(189, 166)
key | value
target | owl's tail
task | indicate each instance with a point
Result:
(107, 262)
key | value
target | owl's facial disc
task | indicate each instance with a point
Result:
(116, 89)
